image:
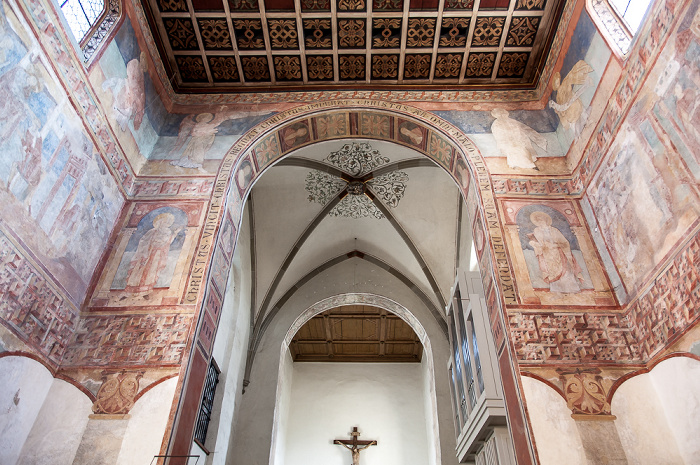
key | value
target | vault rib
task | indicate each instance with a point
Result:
(411, 245)
(266, 320)
(293, 251)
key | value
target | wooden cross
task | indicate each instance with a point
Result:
(355, 445)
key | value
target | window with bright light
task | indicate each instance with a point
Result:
(91, 22)
(631, 12)
(82, 15)
(621, 19)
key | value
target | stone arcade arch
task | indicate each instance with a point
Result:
(285, 132)
(376, 301)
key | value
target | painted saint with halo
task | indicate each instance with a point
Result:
(557, 263)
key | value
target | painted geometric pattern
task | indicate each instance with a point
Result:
(379, 42)
(124, 340)
(386, 33)
(31, 307)
(191, 68)
(669, 307)
(224, 68)
(513, 186)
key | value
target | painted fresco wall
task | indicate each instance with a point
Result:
(59, 203)
(549, 141)
(554, 258)
(56, 191)
(156, 141)
(58, 200)
(647, 199)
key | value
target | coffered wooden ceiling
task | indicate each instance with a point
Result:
(356, 333)
(248, 45)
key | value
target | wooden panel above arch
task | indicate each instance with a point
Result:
(234, 46)
(356, 333)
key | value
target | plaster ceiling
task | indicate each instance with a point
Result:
(247, 45)
(296, 235)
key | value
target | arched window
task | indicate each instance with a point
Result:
(91, 21)
(621, 19)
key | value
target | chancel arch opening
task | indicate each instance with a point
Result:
(179, 190)
(356, 360)
(348, 201)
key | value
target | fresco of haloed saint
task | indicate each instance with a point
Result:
(554, 258)
(55, 191)
(152, 252)
(552, 250)
(151, 255)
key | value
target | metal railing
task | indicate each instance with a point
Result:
(176, 462)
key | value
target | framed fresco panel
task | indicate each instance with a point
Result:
(150, 260)
(553, 255)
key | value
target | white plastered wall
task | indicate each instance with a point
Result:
(642, 425)
(677, 382)
(556, 435)
(281, 425)
(253, 429)
(42, 419)
(146, 428)
(385, 400)
(656, 419)
(430, 411)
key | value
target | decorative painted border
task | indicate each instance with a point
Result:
(537, 187)
(111, 17)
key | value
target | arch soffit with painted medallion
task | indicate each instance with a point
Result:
(282, 134)
(440, 141)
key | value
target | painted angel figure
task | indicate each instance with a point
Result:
(129, 94)
(568, 104)
(515, 139)
(197, 134)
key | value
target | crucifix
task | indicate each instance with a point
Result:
(355, 445)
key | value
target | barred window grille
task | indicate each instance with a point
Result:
(205, 410)
(82, 15)
(91, 22)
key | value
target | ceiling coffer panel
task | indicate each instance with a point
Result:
(356, 333)
(249, 45)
